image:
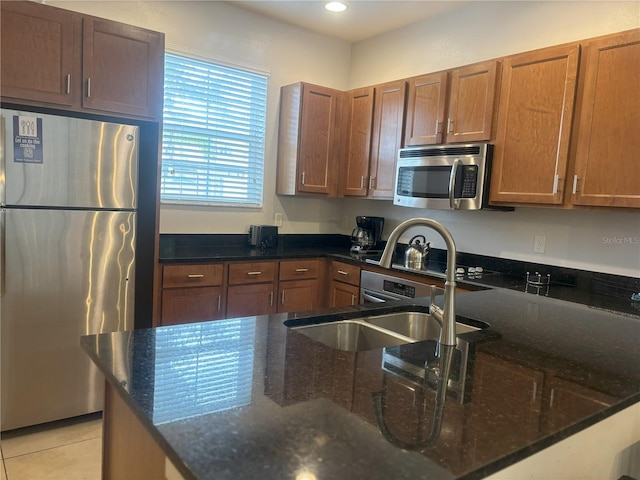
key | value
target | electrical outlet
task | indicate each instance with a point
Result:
(539, 242)
(278, 220)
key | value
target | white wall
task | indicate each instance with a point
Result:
(473, 32)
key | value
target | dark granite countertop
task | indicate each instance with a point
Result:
(598, 290)
(250, 397)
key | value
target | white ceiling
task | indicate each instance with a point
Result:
(362, 19)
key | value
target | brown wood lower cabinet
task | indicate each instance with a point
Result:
(186, 305)
(253, 299)
(343, 294)
(192, 293)
(298, 295)
(344, 284)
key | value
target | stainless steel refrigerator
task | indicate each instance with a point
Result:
(67, 252)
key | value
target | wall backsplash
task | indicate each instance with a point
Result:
(602, 241)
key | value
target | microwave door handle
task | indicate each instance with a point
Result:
(453, 203)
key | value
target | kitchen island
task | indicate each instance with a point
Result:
(252, 397)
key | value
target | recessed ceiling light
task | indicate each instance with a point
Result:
(335, 7)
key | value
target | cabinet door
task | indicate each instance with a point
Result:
(39, 58)
(359, 122)
(607, 172)
(471, 103)
(298, 295)
(249, 300)
(388, 129)
(343, 294)
(425, 109)
(534, 125)
(187, 305)
(122, 68)
(317, 142)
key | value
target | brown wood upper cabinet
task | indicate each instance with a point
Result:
(308, 140)
(534, 125)
(55, 57)
(452, 106)
(375, 129)
(39, 58)
(387, 136)
(359, 122)
(606, 168)
(122, 68)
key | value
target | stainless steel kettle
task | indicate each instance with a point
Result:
(416, 254)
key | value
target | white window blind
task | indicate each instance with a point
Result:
(203, 368)
(213, 134)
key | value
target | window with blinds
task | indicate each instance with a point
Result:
(203, 368)
(213, 134)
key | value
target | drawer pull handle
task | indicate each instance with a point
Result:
(68, 83)
(254, 273)
(271, 299)
(302, 270)
(282, 299)
(353, 299)
(219, 302)
(342, 272)
(195, 275)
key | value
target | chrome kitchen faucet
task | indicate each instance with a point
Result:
(446, 316)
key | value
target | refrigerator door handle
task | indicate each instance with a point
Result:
(3, 155)
(3, 215)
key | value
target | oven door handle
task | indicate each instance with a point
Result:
(376, 297)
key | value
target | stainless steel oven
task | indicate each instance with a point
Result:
(377, 288)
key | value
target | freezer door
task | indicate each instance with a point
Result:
(66, 274)
(55, 161)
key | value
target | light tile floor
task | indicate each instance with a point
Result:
(66, 450)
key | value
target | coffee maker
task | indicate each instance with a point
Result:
(367, 234)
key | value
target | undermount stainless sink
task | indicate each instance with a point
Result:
(370, 333)
(417, 325)
(353, 335)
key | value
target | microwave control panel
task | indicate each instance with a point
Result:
(466, 182)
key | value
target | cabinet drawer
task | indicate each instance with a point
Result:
(255, 272)
(191, 275)
(345, 272)
(299, 269)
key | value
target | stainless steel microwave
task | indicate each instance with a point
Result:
(452, 177)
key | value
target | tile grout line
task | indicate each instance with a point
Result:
(49, 448)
